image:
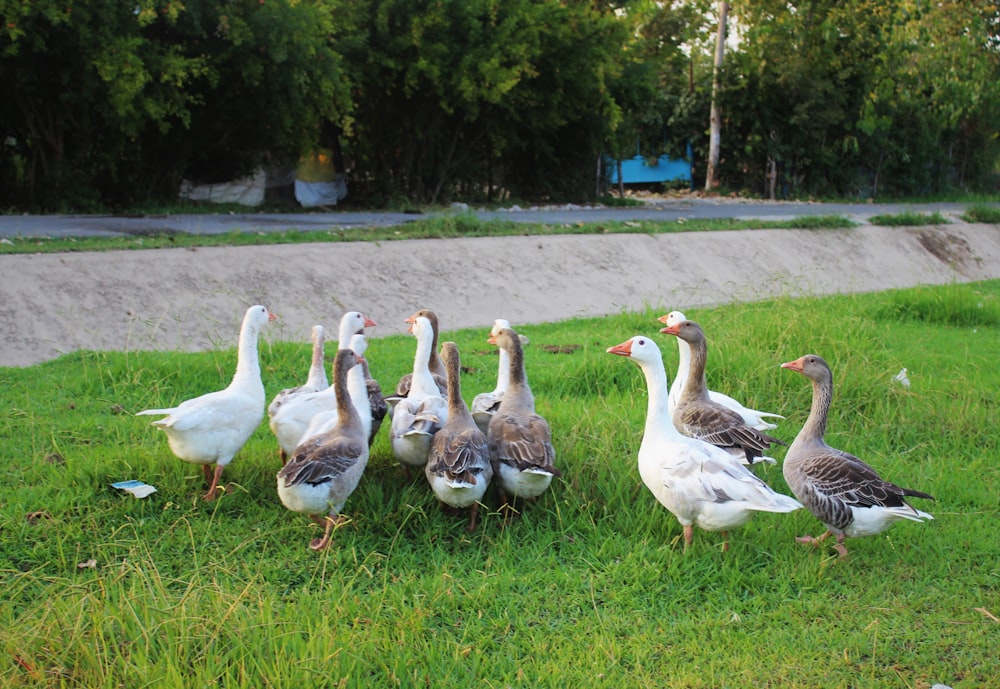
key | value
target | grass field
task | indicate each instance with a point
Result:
(590, 587)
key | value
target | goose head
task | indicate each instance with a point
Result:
(812, 366)
(639, 348)
(672, 318)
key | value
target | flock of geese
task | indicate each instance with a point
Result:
(695, 455)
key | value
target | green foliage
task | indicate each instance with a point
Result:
(863, 98)
(908, 218)
(962, 306)
(589, 587)
(438, 227)
(981, 213)
(112, 105)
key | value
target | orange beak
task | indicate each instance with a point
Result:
(271, 316)
(492, 339)
(663, 318)
(794, 365)
(369, 323)
(674, 329)
(623, 349)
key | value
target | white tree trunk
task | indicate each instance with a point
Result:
(715, 136)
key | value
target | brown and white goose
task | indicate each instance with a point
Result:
(520, 440)
(843, 492)
(751, 417)
(376, 402)
(696, 415)
(434, 363)
(485, 404)
(325, 469)
(458, 466)
(212, 428)
(316, 380)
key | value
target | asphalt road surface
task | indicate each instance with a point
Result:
(55, 226)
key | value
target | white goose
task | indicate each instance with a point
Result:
(520, 439)
(317, 379)
(843, 492)
(323, 421)
(699, 483)
(290, 422)
(485, 404)
(325, 470)
(458, 467)
(751, 417)
(419, 415)
(434, 363)
(212, 428)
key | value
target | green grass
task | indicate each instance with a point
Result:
(909, 219)
(445, 226)
(981, 213)
(589, 588)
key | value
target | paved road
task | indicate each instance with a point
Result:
(669, 210)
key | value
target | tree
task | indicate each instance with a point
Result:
(112, 103)
(715, 123)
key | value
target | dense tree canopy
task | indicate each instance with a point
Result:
(108, 104)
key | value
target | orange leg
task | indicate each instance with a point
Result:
(210, 495)
(812, 540)
(473, 513)
(330, 522)
(688, 535)
(840, 547)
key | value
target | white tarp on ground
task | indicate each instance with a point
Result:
(316, 184)
(310, 194)
(248, 191)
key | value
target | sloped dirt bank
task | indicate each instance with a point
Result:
(194, 299)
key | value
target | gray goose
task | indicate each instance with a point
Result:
(458, 466)
(751, 417)
(843, 492)
(520, 440)
(698, 416)
(376, 400)
(325, 469)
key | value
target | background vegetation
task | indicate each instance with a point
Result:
(590, 587)
(109, 105)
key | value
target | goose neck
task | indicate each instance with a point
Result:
(247, 363)
(815, 426)
(695, 387)
(658, 419)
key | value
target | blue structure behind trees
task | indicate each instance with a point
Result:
(642, 170)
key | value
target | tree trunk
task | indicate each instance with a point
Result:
(715, 138)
